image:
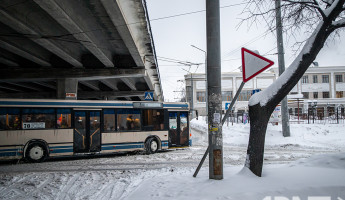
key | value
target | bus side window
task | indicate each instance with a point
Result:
(10, 119)
(2, 121)
(64, 118)
(109, 120)
(38, 118)
(160, 119)
(153, 120)
(128, 119)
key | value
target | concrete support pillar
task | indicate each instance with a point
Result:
(67, 88)
(158, 95)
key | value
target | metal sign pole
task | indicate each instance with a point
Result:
(249, 58)
(233, 102)
(226, 115)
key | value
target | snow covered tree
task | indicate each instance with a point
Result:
(322, 19)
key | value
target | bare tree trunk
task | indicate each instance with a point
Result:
(259, 115)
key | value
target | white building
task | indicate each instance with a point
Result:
(322, 88)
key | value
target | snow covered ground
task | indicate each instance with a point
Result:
(309, 163)
(322, 176)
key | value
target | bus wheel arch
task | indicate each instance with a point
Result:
(152, 144)
(36, 151)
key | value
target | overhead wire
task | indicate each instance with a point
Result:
(60, 37)
(155, 19)
(127, 24)
(247, 43)
(265, 54)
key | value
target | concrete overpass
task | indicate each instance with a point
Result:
(84, 49)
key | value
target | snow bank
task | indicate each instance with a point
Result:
(328, 136)
(312, 177)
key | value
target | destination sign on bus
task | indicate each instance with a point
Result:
(34, 125)
(147, 105)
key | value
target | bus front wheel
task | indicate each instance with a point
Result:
(36, 152)
(151, 146)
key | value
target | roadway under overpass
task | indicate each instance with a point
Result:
(96, 49)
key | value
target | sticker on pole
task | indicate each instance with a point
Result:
(253, 64)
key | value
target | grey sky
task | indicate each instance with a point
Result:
(174, 36)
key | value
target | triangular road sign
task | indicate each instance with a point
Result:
(253, 64)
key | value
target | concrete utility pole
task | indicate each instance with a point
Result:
(214, 94)
(281, 63)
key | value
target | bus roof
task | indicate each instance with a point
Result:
(91, 104)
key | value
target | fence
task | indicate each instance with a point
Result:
(332, 117)
(319, 118)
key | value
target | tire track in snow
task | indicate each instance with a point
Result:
(13, 187)
(64, 193)
(107, 167)
(37, 189)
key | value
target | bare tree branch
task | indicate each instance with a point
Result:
(319, 9)
(326, 2)
(323, 18)
(339, 23)
(312, 4)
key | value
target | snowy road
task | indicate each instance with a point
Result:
(117, 176)
(168, 159)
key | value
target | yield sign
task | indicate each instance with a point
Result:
(253, 64)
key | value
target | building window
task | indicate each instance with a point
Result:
(305, 79)
(305, 95)
(339, 78)
(227, 96)
(325, 95)
(298, 111)
(339, 94)
(325, 78)
(245, 95)
(201, 96)
(315, 95)
(314, 78)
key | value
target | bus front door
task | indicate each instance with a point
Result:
(87, 134)
(178, 129)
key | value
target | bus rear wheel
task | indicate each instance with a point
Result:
(151, 146)
(36, 152)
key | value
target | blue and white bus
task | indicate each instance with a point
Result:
(38, 129)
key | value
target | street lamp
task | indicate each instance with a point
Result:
(199, 49)
(314, 108)
(191, 92)
(205, 77)
(205, 57)
(309, 106)
(327, 111)
(338, 106)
